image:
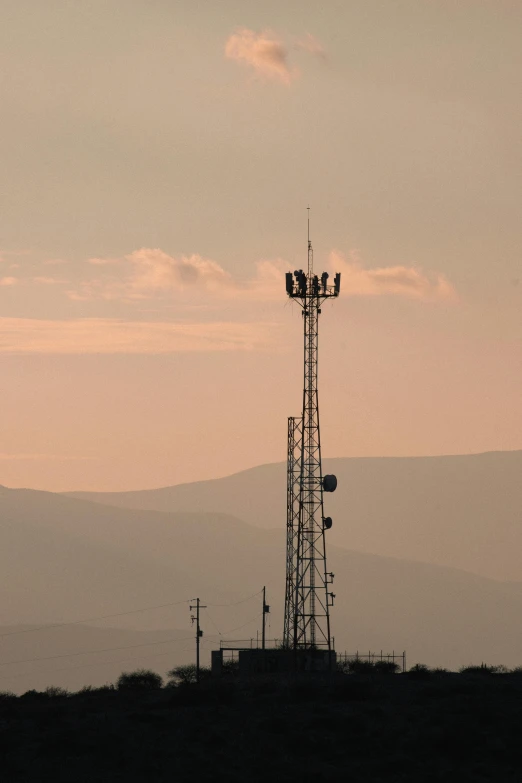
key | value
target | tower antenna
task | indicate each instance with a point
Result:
(310, 249)
(308, 598)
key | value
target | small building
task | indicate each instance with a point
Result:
(253, 661)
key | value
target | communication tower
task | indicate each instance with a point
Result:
(308, 597)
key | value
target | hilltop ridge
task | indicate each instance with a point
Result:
(463, 511)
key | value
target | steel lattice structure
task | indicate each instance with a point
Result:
(308, 599)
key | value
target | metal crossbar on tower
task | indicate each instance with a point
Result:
(308, 598)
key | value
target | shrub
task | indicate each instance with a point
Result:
(360, 667)
(94, 690)
(187, 674)
(484, 669)
(386, 667)
(54, 692)
(420, 671)
(34, 695)
(140, 680)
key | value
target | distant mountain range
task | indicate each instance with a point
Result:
(64, 558)
(460, 511)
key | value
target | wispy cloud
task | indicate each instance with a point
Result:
(8, 281)
(150, 273)
(311, 45)
(111, 336)
(54, 262)
(264, 52)
(42, 280)
(103, 261)
(30, 456)
(409, 282)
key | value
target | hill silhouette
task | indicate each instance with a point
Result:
(461, 511)
(68, 559)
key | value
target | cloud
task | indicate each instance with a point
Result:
(264, 52)
(155, 270)
(151, 273)
(21, 456)
(54, 262)
(103, 261)
(311, 45)
(111, 336)
(48, 281)
(8, 281)
(409, 282)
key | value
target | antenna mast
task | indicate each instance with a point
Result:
(308, 598)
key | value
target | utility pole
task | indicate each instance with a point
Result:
(199, 633)
(266, 610)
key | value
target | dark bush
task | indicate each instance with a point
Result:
(187, 675)
(54, 692)
(420, 671)
(142, 680)
(386, 667)
(360, 667)
(484, 669)
(33, 695)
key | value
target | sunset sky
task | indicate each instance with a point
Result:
(156, 163)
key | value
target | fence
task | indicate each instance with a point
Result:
(230, 648)
(374, 657)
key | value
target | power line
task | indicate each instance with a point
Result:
(122, 647)
(212, 621)
(244, 624)
(117, 614)
(88, 652)
(87, 665)
(110, 649)
(236, 603)
(93, 619)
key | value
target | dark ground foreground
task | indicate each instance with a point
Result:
(447, 727)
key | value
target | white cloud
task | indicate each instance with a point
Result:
(267, 54)
(30, 456)
(151, 274)
(409, 282)
(110, 336)
(54, 262)
(264, 52)
(40, 280)
(103, 261)
(311, 45)
(155, 270)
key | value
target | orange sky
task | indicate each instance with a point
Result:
(157, 164)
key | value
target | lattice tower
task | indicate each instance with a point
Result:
(308, 598)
